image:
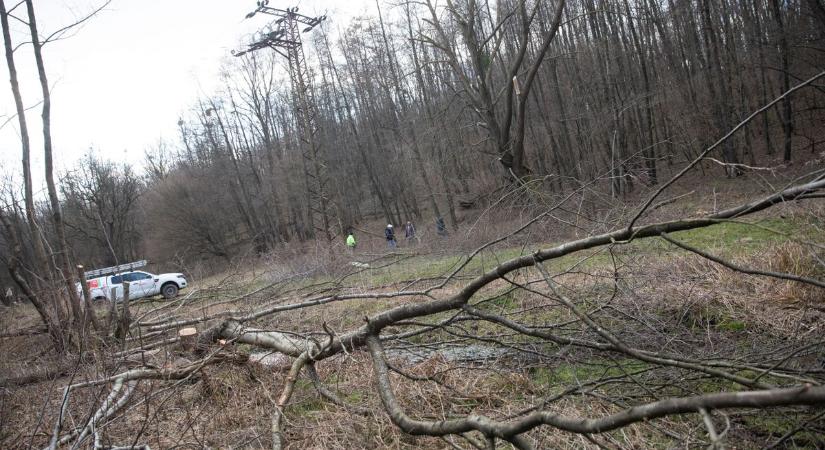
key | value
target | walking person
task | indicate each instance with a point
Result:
(440, 226)
(390, 235)
(351, 242)
(409, 232)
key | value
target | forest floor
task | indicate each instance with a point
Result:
(648, 291)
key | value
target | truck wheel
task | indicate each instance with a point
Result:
(169, 290)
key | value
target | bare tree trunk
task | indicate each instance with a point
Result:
(42, 264)
(89, 316)
(419, 161)
(818, 9)
(752, 14)
(648, 125)
(49, 316)
(125, 318)
(338, 90)
(784, 54)
(62, 247)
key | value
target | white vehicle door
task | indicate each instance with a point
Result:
(115, 283)
(135, 287)
(143, 284)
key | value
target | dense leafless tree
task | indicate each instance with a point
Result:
(100, 200)
(421, 102)
(46, 275)
(624, 330)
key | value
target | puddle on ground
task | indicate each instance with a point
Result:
(271, 359)
(464, 353)
(412, 355)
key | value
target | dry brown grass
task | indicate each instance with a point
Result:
(229, 406)
(699, 307)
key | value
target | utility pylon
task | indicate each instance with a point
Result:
(284, 36)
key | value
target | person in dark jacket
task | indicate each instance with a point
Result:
(390, 235)
(440, 226)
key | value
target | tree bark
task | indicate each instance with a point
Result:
(784, 55)
(42, 264)
(63, 248)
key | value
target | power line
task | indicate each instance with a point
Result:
(283, 35)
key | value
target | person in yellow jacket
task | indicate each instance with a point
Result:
(351, 241)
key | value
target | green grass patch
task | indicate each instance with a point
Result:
(307, 406)
(715, 316)
(726, 238)
(732, 325)
(573, 374)
(506, 301)
(723, 239)
(777, 425)
(354, 397)
(739, 238)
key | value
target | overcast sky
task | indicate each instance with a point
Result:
(122, 81)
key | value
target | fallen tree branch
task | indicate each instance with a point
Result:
(804, 395)
(745, 270)
(289, 345)
(59, 370)
(716, 144)
(670, 200)
(110, 406)
(323, 391)
(376, 323)
(25, 332)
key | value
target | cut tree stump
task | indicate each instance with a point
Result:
(188, 338)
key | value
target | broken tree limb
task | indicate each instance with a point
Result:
(110, 406)
(745, 270)
(805, 395)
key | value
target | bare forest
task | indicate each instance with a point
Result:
(608, 218)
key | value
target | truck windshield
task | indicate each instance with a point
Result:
(117, 279)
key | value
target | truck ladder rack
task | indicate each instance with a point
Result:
(115, 269)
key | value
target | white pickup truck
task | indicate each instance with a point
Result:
(141, 284)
